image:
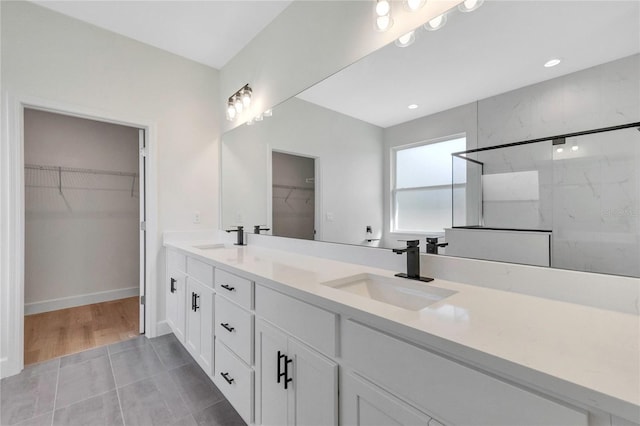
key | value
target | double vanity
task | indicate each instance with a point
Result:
(301, 340)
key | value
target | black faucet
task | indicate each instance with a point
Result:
(240, 231)
(413, 261)
(432, 245)
(258, 228)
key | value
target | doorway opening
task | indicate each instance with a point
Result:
(293, 192)
(84, 241)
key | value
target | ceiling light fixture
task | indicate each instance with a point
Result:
(552, 62)
(383, 15)
(559, 149)
(436, 23)
(413, 106)
(470, 5)
(414, 5)
(238, 102)
(406, 40)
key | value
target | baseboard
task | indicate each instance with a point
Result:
(83, 299)
(162, 328)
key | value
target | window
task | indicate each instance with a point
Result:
(421, 191)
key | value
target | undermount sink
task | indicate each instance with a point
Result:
(209, 246)
(399, 292)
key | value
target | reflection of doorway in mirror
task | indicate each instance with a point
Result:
(293, 195)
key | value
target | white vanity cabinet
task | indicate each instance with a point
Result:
(295, 385)
(234, 337)
(175, 293)
(296, 380)
(451, 393)
(199, 330)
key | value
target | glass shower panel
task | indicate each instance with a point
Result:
(466, 190)
(597, 209)
(517, 187)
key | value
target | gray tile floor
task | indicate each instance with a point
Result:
(137, 382)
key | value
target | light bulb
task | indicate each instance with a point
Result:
(231, 111)
(436, 23)
(246, 97)
(559, 149)
(268, 113)
(470, 5)
(575, 148)
(406, 40)
(552, 63)
(383, 23)
(413, 106)
(237, 103)
(414, 4)
(383, 7)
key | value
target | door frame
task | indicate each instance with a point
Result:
(12, 217)
(317, 189)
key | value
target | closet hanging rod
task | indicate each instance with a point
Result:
(303, 188)
(77, 170)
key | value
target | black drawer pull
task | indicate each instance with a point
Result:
(226, 326)
(173, 285)
(195, 302)
(226, 377)
(227, 287)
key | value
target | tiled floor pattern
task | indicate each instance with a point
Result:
(134, 383)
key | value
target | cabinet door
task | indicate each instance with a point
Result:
(193, 334)
(365, 404)
(271, 396)
(176, 303)
(314, 399)
(205, 307)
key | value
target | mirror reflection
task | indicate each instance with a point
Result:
(364, 157)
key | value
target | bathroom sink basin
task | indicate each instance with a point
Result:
(209, 246)
(400, 292)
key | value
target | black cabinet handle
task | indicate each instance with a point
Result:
(226, 326)
(226, 377)
(195, 302)
(280, 357)
(228, 288)
(287, 379)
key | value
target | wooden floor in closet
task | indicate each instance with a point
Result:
(52, 334)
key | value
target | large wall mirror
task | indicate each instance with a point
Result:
(365, 156)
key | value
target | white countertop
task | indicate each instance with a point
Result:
(577, 353)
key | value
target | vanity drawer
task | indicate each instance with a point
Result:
(237, 331)
(440, 386)
(235, 288)
(239, 391)
(306, 322)
(201, 271)
(176, 261)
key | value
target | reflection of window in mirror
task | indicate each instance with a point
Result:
(422, 185)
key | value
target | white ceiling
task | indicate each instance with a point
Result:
(207, 31)
(499, 47)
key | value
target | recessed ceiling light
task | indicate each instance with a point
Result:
(552, 63)
(413, 106)
(559, 149)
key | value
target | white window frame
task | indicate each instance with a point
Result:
(394, 190)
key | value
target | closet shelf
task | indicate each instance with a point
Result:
(59, 170)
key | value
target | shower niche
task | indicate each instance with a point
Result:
(570, 201)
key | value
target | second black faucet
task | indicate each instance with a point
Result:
(413, 261)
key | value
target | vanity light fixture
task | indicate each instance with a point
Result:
(406, 40)
(552, 62)
(436, 23)
(383, 15)
(238, 102)
(575, 148)
(470, 5)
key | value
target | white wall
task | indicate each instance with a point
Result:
(85, 240)
(349, 159)
(56, 58)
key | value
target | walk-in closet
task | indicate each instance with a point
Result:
(82, 246)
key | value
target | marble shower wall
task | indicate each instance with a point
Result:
(596, 197)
